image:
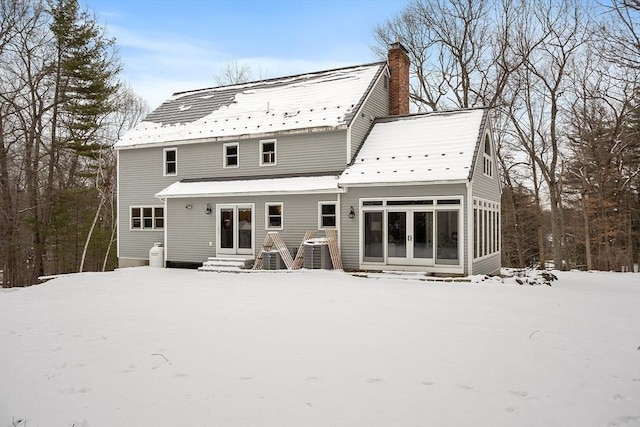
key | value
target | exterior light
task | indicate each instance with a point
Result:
(208, 210)
(352, 213)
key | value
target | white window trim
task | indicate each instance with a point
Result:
(275, 152)
(225, 165)
(435, 207)
(164, 161)
(337, 214)
(153, 217)
(266, 215)
(488, 243)
(487, 166)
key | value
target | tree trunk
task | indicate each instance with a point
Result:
(587, 232)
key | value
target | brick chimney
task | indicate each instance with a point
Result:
(399, 81)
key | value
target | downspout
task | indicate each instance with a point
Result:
(166, 228)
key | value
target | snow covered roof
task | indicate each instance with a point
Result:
(246, 187)
(325, 99)
(429, 147)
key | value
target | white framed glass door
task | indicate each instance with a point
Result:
(410, 237)
(235, 229)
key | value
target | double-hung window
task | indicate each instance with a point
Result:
(231, 155)
(327, 213)
(268, 152)
(170, 161)
(274, 213)
(147, 217)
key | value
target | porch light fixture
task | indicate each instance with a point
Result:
(352, 213)
(208, 210)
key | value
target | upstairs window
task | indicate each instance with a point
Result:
(268, 152)
(231, 155)
(327, 213)
(488, 160)
(274, 213)
(147, 217)
(170, 161)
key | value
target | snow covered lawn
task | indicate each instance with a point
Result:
(154, 347)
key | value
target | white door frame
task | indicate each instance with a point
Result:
(235, 249)
(410, 258)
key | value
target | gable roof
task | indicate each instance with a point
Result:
(322, 100)
(438, 146)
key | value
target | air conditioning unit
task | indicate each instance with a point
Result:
(271, 260)
(316, 254)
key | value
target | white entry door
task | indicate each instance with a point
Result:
(410, 237)
(234, 229)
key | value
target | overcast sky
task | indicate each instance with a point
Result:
(169, 46)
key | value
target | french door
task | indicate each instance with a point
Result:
(235, 229)
(410, 237)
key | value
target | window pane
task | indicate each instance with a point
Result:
(135, 222)
(226, 228)
(397, 234)
(447, 234)
(328, 221)
(171, 155)
(268, 152)
(268, 147)
(159, 222)
(274, 216)
(275, 221)
(244, 228)
(275, 209)
(171, 167)
(423, 234)
(373, 236)
(328, 209)
(159, 212)
(135, 212)
(475, 232)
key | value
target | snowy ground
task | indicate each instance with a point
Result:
(154, 347)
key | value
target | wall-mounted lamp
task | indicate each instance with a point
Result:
(352, 213)
(188, 206)
(208, 210)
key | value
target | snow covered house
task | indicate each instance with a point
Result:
(210, 172)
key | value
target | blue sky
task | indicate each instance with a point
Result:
(173, 45)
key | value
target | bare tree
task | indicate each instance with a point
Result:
(459, 50)
(232, 73)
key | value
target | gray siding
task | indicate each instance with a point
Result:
(350, 227)
(140, 178)
(141, 174)
(483, 186)
(190, 230)
(376, 105)
(487, 188)
(488, 265)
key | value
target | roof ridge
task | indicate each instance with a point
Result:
(273, 79)
(384, 119)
